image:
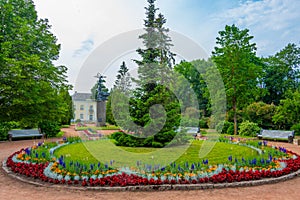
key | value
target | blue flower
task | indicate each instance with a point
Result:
(187, 164)
(193, 167)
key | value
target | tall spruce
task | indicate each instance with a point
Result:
(119, 96)
(156, 54)
(157, 126)
(123, 82)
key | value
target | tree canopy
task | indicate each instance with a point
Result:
(235, 57)
(31, 85)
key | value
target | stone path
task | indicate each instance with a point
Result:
(11, 189)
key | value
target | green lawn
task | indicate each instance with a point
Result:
(105, 151)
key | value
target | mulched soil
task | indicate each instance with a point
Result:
(11, 188)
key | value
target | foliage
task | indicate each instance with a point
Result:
(154, 111)
(281, 73)
(203, 122)
(60, 134)
(296, 128)
(188, 122)
(109, 114)
(247, 128)
(119, 93)
(156, 56)
(160, 123)
(288, 112)
(230, 130)
(30, 83)
(5, 127)
(191, 72)
(49, 128)
(236, 60)
(123, 82)
(222, 127)
(261, 114)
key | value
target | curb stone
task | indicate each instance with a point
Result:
(154, 187)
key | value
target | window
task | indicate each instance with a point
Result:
(81, 107)
(91, 118)
(81, 116)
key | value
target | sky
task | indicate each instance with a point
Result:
(86, 26)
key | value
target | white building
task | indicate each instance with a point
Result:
(84, 107)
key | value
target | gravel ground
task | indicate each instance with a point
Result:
(11, 188)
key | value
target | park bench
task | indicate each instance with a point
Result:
(277, 135)
(25, 133)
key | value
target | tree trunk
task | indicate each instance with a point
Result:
(234, 112)
(235, 119)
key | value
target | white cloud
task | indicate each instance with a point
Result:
(81, 26)
(274, 23)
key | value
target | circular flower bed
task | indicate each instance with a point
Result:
(40, 163)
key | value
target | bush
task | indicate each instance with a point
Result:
(230, 130)
(157, 144)
(49, 128)
(248, 129)
(296, 128)
(203, 123)
(224, 129)
(5, 127)
(157, 141)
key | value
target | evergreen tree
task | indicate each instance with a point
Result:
(118, 95)
(154, 125)
(157, 59)
(123, 82)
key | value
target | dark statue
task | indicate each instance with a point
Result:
(101, 95)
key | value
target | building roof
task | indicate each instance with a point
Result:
(81, 96)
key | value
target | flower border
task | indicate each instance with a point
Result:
(222, 176)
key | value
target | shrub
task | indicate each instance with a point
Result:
(224, 129)
(203, 123)
(157, 141)
(49, 128)
(5, 127)
(157, 144)
(248, 129)
(230, 130)
(296, 128)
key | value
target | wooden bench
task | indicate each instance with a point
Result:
(277, 135)
(25, 133)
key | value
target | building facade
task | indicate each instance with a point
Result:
(85, 108)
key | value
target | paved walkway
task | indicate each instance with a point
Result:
(11, 189)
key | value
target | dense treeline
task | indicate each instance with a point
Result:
(33, 90)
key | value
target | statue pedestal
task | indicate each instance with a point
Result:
(101, 113)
